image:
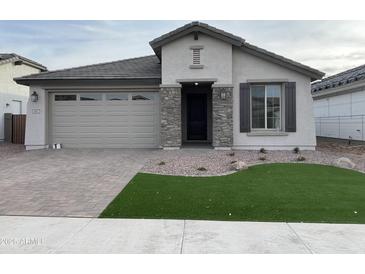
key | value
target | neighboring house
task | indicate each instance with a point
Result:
(203, 85)
(14, 97)
(339, 105)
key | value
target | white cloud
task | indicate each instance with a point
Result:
(331, 46)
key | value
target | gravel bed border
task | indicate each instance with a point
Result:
(185, 162)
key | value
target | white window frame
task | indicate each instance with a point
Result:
(281, 107)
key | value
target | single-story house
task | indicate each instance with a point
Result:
(339, 105)
(202, 85)
(14, 97)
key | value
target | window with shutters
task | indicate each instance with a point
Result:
(266, 107)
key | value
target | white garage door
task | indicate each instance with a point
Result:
(104, 119)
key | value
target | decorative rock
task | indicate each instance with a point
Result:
(240, 165)
(344, 162)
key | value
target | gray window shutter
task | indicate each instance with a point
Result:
(245, 107)
(290, 107)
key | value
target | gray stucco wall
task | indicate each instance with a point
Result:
(170, 113)
(249, 68)
(216, 57)
(222, 116)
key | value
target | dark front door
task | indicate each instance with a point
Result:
(196, 116)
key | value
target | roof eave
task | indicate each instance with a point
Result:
(31, 64)
(25, 61)
(339, 90)
(39, 81)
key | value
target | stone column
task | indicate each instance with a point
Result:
(170, 115)
(222, 116)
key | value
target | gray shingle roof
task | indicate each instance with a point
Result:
(147, 67)
(340, 79)
(12, 57)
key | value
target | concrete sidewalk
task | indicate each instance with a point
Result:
(88, 235)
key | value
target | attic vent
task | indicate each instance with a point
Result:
(196, 56)
(196, 50)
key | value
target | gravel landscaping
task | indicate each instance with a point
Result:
(206, 162)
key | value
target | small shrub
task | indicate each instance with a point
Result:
(233, 162)
(231, 154)
(262, 158)
(162, 163)
(300, 158)
(201, 168)
(262, 150)
(296, 150)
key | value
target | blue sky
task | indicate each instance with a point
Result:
(331, 46)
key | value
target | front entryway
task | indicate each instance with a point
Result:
(196, 113)
(197, 120)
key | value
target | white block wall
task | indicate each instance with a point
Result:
(341, 116)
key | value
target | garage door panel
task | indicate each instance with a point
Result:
(66, 140)
(100, 135)
(91, 119)
(140, 136)
(109, 124)
(142, 108)
(64, 119)
(103, 129)
(142, 140)
(112, 108)
(65, 109)
(92, 108)
(142, 119)
(66, 129)
(91, 103)
(65, 104)
(143, 129)
(65, 114)
(114, 124)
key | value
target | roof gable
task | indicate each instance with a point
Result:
(15, 58)
(196, 27)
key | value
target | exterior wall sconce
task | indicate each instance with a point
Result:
(223, 95)
(34, 97)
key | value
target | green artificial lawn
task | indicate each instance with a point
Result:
(272, 192)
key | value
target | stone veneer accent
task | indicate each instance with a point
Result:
(222, 117)
(170, 113)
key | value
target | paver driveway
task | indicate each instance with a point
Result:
(77, 182)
